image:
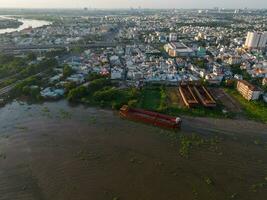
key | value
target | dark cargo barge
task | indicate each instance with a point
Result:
(153, 118)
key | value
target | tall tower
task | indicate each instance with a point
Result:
(256, 40)
(262, 40)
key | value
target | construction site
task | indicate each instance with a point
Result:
(194, 94)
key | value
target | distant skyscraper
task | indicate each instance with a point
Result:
(256, 40)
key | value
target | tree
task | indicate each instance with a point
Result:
(31, 56)
(97, 85)
(94, 76)
(77, 93)
(67, 71)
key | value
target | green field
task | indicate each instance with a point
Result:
(150, 98)
(256, 110)
(153, 98)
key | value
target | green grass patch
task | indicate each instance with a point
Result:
(190, 142)
(165, 100)
(150, 98)
(256, 110)
(198, 112)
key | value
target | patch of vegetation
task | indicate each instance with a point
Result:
(150, 98)
(64, 114)
(46, 110)
(256, 187)
(26, 88)
(92, 120)
(256, 110)
(199, 112)
(236, 70)
(188, 143)
(10, 65)
(102, 92)
(23, 128)
(159, 98)
(208, 180)
(28, 81)
(67, 71)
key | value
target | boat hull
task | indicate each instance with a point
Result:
(152, 118)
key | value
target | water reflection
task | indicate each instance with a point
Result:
(26, 24)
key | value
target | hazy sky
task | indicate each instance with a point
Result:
(133, 3)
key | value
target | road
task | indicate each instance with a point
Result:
(7, 89)
(6, 78)
(43, 47)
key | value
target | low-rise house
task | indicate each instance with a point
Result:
(238, 77)
(214, 79)
(264, 81)
(51, 93)
(55, 78)
(76, 78)
(233, 60)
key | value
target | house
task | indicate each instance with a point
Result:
(233, 60)
(51, 93)
(238, 77)
(55, 78)
(248, 91)
(76, 78)
(116, 73)
(264, 81)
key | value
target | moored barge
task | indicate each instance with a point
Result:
(148, 117)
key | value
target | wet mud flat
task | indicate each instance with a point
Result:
(54, 151)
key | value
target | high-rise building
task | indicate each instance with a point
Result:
(173, 37)
(256, 40)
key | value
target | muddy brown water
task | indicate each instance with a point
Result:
(57, 152)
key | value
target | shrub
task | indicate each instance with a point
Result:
(77, 93)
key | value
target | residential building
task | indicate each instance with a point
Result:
(201, 52)
(256, 40)
(233, 60)
(172, 37)
(248, 91)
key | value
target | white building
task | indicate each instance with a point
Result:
(173, 37)
(256, 40)
(116, 73)
(175, 49)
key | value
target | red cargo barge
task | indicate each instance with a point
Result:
(156, 119)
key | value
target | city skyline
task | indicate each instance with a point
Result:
(111, 4)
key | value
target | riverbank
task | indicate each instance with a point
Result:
(56, 151)
(9, 23)
(23, 24)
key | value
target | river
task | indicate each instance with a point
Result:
(26, 24)
(55, 151)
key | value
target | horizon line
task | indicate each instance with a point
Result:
(134, 8)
